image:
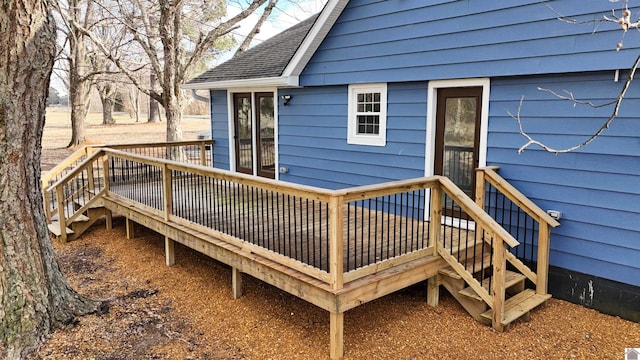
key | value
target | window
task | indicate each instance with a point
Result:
(367, 114)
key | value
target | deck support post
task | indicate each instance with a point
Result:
(336, 332)
(130, 228)
(542, 270)
(433, 291)
(108, 219)
(498, 291)
(169, 251)
(236, 282)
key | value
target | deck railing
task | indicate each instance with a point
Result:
(523, 219)
(195, 152)
(335, 236)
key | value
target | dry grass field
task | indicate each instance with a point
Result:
(57, 132)
(187, 311)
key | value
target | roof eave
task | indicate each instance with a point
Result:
(314, 37)
(280, 81)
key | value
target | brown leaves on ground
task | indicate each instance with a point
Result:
(187, 312)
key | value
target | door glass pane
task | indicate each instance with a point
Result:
(459, 139)
(267, 150)
(243, 116)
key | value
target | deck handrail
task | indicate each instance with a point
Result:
(488, 176)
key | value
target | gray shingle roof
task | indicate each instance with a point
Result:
(268, 59)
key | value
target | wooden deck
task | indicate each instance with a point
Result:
(335, 249)
(295, 228)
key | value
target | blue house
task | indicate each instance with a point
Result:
(372, 91)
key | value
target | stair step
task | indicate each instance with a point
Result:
(519, 305)
(80, 202)
(54, 227)
(79, 218)
(511, 278)
(469, 264)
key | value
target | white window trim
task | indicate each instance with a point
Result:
(352, 134)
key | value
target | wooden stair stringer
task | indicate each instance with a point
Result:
(512, 279)
(474, 307)
(465, 275)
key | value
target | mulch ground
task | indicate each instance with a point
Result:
(187, 312)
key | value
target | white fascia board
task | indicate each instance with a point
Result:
(314, 37)
(280, 81)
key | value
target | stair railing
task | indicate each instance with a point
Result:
(487, 233)
(57, 173)
(523, 219)
(77, 191)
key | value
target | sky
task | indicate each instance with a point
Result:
(286, 14)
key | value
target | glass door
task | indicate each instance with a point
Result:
(258, 130)
(243, 135)
(265, 135)
(458, 136)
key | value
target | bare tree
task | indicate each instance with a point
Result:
(34, 295)
(256, 28)
(172, 34)
(78, 63)
(626, 23)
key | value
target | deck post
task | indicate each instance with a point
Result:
(203, 154)
(435, 218)
(498, 291)
(543, 258)
(169, 251)
(433, 291)
(105, 173)
(480, 187)
(109, 219)
(336, 331)
(236, 282)
(166, 191)
(61, 216)
(130, 228)
(336, 248)
(336, 274)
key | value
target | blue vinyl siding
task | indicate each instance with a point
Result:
(220, 129)
(597, 188)
(313, 138)
(397, 40)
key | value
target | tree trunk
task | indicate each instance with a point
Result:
(78, 101)
(107, 110)
(154, 107)
(34, 295)
(173, 110)
(79, 86)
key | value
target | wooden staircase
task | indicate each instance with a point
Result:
(518, 303)
(81, 222)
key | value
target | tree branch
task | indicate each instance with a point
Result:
(617, 103)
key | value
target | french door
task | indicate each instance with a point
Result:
(457, 139)
(254, 128)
